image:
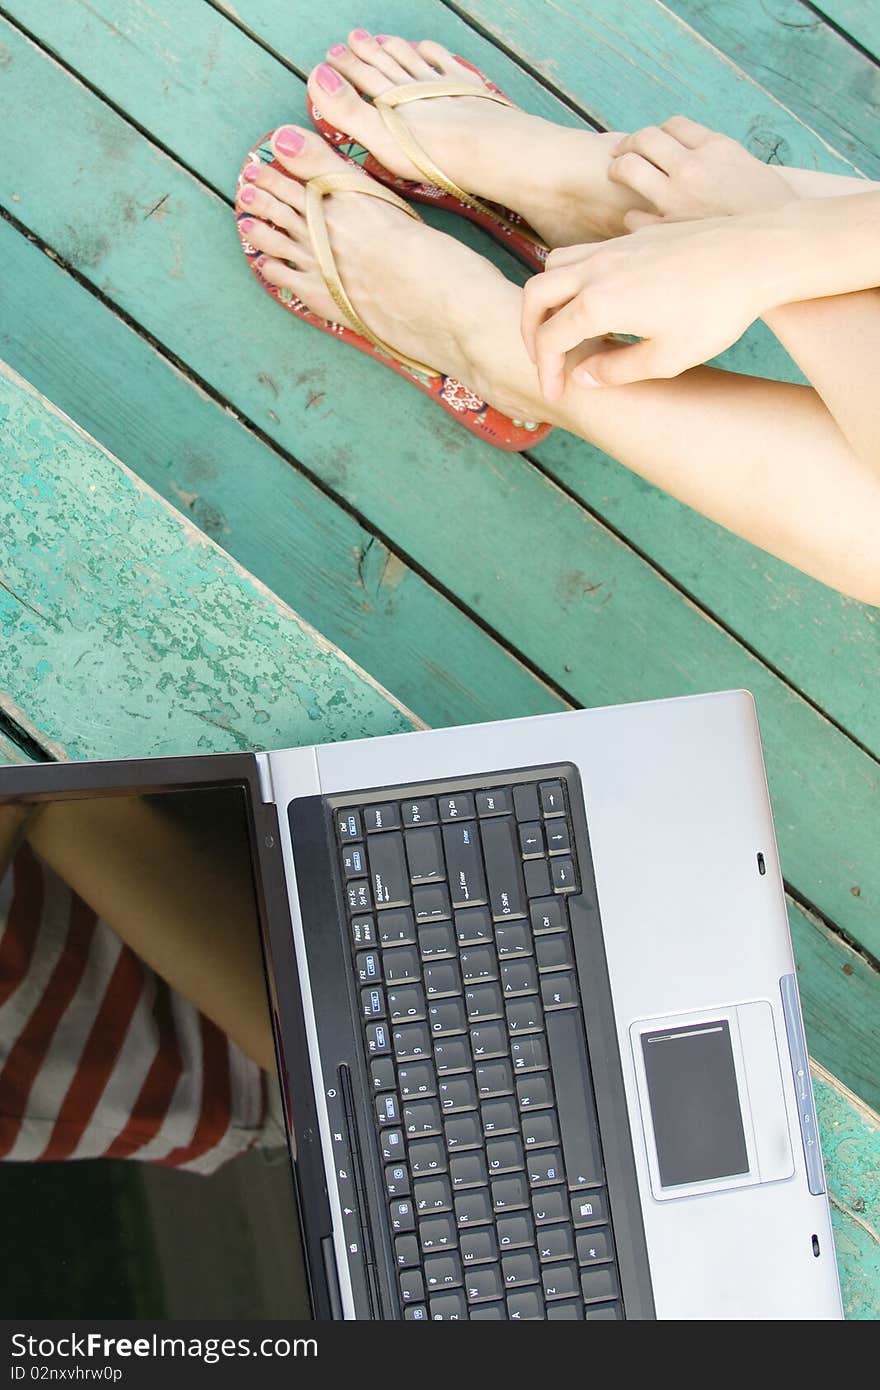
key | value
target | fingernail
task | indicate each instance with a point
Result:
(260, 261)
(250, 173)
(585, 378)
(247, 195)
(382, 38)
(360, 34)
(329, 80)
(336, 49)
(287, 139)
(246, 224)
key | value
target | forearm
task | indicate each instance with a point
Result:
(811, 248)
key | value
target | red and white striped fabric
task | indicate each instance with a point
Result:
(99, 1058)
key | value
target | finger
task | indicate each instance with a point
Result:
(656, 145)
(640, 175)
(622, 366)
(689, 133)
(636, 218)
(570, 255)
(566, 329)
(542, 294)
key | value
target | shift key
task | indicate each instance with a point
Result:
(388, 870)
(503, 868)
(578, 1125)
(467, 886)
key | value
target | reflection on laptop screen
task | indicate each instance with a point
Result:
(144, 1163)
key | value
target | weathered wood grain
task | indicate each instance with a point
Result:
(851, 1150)
(860, 19)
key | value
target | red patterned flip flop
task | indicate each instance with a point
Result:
(436, 187)
(457, 399)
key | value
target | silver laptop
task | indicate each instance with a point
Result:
(535, 1013)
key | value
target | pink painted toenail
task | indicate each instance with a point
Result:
(247, 195)
(382, 38)
(360, 34)
(288, 140)
(336, 49)
(250, 173)
(246, 224)
(329, 80)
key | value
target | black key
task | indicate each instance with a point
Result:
(559, 990)
(447, 1016)
(488, 1312)
(503, 869)
(504, 1155)
(494, 1078)
(448, 1307)
(382, 1074)
(443, 1271)
(525, 1305)
(519, 977)
(416, 1079)
(373, 1003)
(391, 1144)
(406, 1003)
(467, 885)
(594, 1247)
(493, 803)
(432, 1195)
(483, 1002)
(406, 1252)
(420, 812)
(537, 877)
(547, 914)
(574, 1095)
(473, 925)
(544, 1167)
(589, 1209)
(550, 1204)
(368, 967)
(412, 1286)
(562, 874)
(416, 1312)
(525, 802)
(558, 840)
(431, 902)
(363, 932)
(402, 964)
(397, 928)
(358, 896)
(457, 1093)
(479, 963)
(510, 1193)
(534, 1092)
(473, 1208)
(478, 1247)
(396, 1180)
(424, 851)
(513, 939)
(464, 1132)
(388, 1108)
(483, 1285)
(560, 1280)
(452, 1055)
(378, 1039)
(427, 1156)
(552, 802)
(540, 1129)
(489, 1040)
(388, 871)
(354, 861)
(402, 1216)
(441, 977)
(556, 1243)
(529, 1054)
(468, 1170)
(554, 952)
(604, 1312)
(421, 1118)
(566, 1312)
(411, 1041)
(515, 1231)
(525, 1015)
(384, 817)
(500, 1116)
(348, 825)
(460, 807)
(519, 1268)
(531, 839)
(438, 943)
(599, 1283)
(437, 1233)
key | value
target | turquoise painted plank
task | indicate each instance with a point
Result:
(107, 588)
(619, 632)
(335, 573)
(860, 19)
(850, 1135)
(809, 67)
(11, 752)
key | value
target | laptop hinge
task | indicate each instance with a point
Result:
(264, 772)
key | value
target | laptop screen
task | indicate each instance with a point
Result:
(143, 1161)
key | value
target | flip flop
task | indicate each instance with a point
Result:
(457, 399)
(436, 187)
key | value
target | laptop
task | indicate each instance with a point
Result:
(535, 1014)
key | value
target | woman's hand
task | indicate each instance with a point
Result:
(686, 171)
(686, 289)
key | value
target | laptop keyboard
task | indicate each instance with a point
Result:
(482, 1095)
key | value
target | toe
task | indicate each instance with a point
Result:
(378, 55)
(445, 62)
(303, 154)
(268, 239)
(285, 277)
(256, 202)
(406, 55)
(342, 61)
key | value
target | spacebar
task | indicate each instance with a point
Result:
(574, 1098)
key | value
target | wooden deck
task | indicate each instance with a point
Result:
(124, 301)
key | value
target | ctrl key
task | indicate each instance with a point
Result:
(599, 1285)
